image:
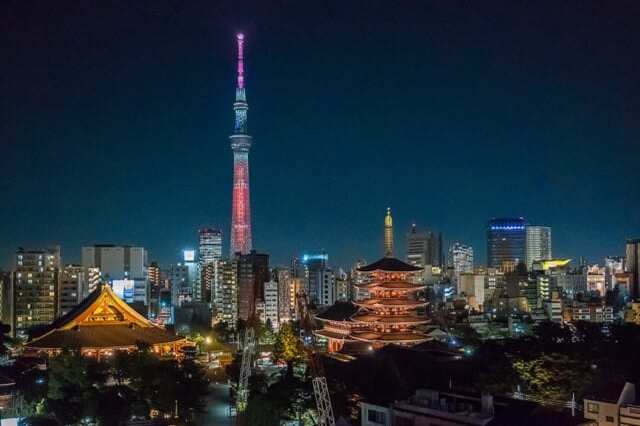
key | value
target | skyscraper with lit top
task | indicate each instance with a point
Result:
(240, 144)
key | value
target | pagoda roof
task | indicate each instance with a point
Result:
(101, 320)
(393, 285)
(389, 264)
(389, 319)
(390, 302)
(339, 311)
(390, 337)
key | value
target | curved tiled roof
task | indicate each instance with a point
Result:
(389, 264)
(391, 302)
(339, 311)
(389, 319)
(398, 337)
(103, 336)
(393, 285)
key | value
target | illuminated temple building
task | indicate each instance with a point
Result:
(101, 324)
(387, 315)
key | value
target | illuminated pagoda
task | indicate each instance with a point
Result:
(100, 325)
(388, 315)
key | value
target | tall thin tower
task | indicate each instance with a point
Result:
(388, 234)
(240, 144)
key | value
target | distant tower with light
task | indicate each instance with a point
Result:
(240, 144)
(388, 234)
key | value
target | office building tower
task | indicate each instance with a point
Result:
(193, 274)
(6, 301)
(632, 266)
(253, 272)
(166, 308)
(73, 285)
(614, 266)
(209, 253)
(226, 301)
(327, 287)
(314, 265)
(424, 248)
(35, 282)
(286, 294)
(123, 267)
(241, 239)
(460, 259)
(472, 286)
(343, 286)
(538, 243)
(596, 280)
(271, 302)
(506, 242)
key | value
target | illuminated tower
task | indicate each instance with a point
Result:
(388, 234)
(240, 144)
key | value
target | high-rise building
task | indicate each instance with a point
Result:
(271, 301)
(73, 285)
(327, 287)
(253, 272)
(343, 286)
(424, 248)
(226, 301)
(209, 253)
(632, 266)
(538, 241)
(286, 293)
(6, 298)
(123, 267)
(241, 240)
(460, 259)
(35, 282)
(473, 287)
(314, 265)
(506, 241)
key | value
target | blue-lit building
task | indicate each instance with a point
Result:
(506, 241)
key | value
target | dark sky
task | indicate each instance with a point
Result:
(116, 116)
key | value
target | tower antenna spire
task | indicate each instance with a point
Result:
(240, 41)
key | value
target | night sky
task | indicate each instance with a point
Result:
(116, 116)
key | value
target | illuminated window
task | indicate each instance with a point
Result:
(593, 407)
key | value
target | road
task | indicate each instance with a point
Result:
(217, 410)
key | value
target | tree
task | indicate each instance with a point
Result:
(287, 347)
(552, 336)
(552, 378)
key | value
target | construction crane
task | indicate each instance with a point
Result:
(248, 349)
(319, 380)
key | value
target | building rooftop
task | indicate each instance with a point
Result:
(339, 311)
(102, 320)
(389, 264)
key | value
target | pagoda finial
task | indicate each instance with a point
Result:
(388, 234)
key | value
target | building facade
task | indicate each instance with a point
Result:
(35, 287)
(506, 242)
(632, 266)
(209, 253)
(538, 242)
(253, 272)
(424, 248)
(460, 259)
(125, 264)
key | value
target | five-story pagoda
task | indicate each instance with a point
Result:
(388, 314)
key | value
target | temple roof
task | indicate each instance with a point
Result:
(389, 264)
(101, 320)
(339, 311)
(391, 337)
(103, 336)
(400, 302)
(393, 285)
(389, 319)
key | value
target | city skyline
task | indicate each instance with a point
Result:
(116, 156)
